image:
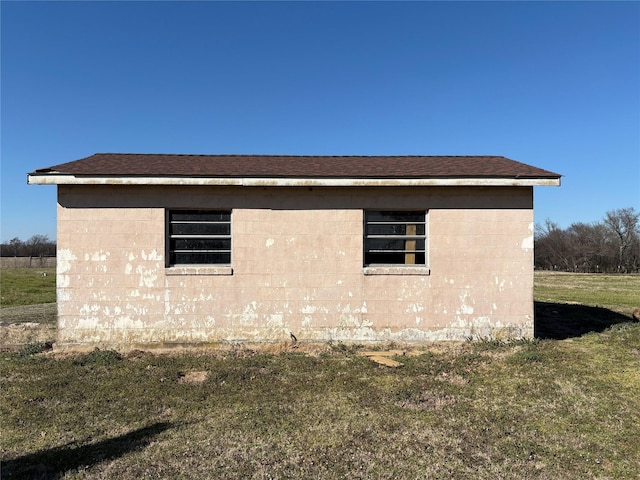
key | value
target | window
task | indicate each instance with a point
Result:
(198, 237)
(394, 238)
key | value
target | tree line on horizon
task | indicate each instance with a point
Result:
(611, 245)
(34, 246)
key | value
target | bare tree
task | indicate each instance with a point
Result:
(551, 247)
(36, 244)
(40, 246)
(623, 224)
(612, 245)
(16, 245)
(589, 246)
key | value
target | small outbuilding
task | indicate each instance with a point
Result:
(192, 249)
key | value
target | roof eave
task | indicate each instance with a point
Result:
(37, 178)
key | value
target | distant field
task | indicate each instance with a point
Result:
(620, 293)
(27, 286)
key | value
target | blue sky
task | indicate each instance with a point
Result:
(552, 84)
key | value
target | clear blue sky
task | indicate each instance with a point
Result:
(552, 84)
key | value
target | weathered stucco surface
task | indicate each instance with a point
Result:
(296, 266)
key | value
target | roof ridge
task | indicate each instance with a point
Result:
(290, 155)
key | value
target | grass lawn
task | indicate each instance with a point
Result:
(619, 293)
(27, 286)
(539, 409)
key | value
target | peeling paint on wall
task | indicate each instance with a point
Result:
(527, 242)
(127, 323)
(99, 256)
(415, 308)
(249, 314)
(304, 276)
(151, 256)
(148, 276)
(465, 308)
(65, 259)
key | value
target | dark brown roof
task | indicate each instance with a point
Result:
(297, 166)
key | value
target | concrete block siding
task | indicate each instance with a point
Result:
(297, 266)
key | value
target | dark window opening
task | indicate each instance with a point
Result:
(199, 237)
(395, 238)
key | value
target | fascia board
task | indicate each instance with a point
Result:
(62, 179)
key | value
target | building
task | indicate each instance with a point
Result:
(188, 249)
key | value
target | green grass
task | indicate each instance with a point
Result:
(543, 409)
(619, 293)
(538, 409)
(27, 286)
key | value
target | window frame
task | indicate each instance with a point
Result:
(407, 267)
(170, 237)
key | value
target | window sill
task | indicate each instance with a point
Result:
(199, 270)
(397, 270)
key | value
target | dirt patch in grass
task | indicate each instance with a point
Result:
(427, 400)
(44, 313)
(194, 377)
(27, 324)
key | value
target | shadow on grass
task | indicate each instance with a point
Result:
(55, 462)
(563, 320)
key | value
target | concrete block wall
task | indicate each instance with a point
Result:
(297, 266)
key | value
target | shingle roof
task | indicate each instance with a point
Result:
(297, 166)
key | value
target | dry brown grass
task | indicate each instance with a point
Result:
(539, 409)
(543, 409)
